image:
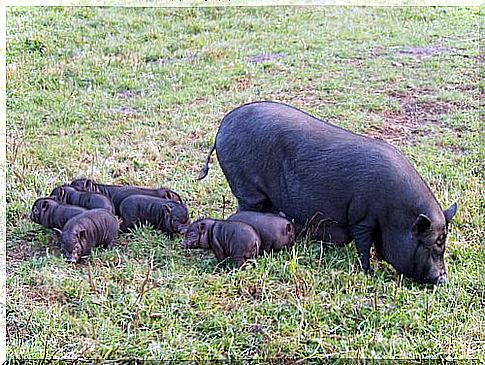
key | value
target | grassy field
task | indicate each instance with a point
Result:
(135, 96)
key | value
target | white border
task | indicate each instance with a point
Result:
(212, 3)
(145, 3)
(3, 183)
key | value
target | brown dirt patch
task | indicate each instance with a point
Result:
(242, 83)
(414, 119)
(43, 294)
(355, 62)
(128, 94)
(23, 251)
(26, 249)
(264, 57)
(302, 98)
(423, 52)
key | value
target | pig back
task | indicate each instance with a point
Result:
(101, 226)
(275, 231)
(239, 239)
(278, 158)
(120, 193)
(63, 213)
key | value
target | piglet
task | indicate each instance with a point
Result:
(275, 231)
(117, 193)
(163, 214)
(90, 200)
(95, 227)
(227, 239)
(50, 213)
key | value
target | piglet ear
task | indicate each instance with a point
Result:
(82, 235)
(168, 208)
(169, 195)
(44, 205)
(289, 228)
(450, 212)
(201, 226)
(57, 230)
(88, 184)
(421, 225)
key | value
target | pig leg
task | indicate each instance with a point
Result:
(239, 262)
(363, 242)
(109, 245)
(249, 205)
(249, 197)
(123, 227)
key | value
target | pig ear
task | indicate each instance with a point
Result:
(88, 185)
(169, 195)
(82, 235)
(422, 224)
(289, 228)
(57, 230)
(450, 212)
(201, 226)
(44, 205)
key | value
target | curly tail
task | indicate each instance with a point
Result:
(205, 170)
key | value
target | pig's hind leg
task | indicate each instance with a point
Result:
(250, 198)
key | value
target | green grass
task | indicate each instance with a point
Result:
(135, 96)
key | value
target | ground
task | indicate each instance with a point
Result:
(135, 96)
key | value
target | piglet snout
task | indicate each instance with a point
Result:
(442, 279)
(183, 228)
(71, 260)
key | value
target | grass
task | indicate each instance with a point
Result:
(135, 96)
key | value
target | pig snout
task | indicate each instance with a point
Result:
(442, 279)
(182, 228)
(71, 259)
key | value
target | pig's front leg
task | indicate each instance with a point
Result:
(363, 242)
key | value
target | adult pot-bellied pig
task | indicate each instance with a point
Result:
(278, 158)
(50, 213)
(95, 227)
(119, 192)
(164, 214)
(90, 200)
(227, 239)
(275, 231)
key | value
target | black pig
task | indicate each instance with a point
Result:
(119, 192)
(50, 213)
(95, 227)
(163, 214)
(278, 158)
(227, 239)
(89, 200)
(275, 231)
